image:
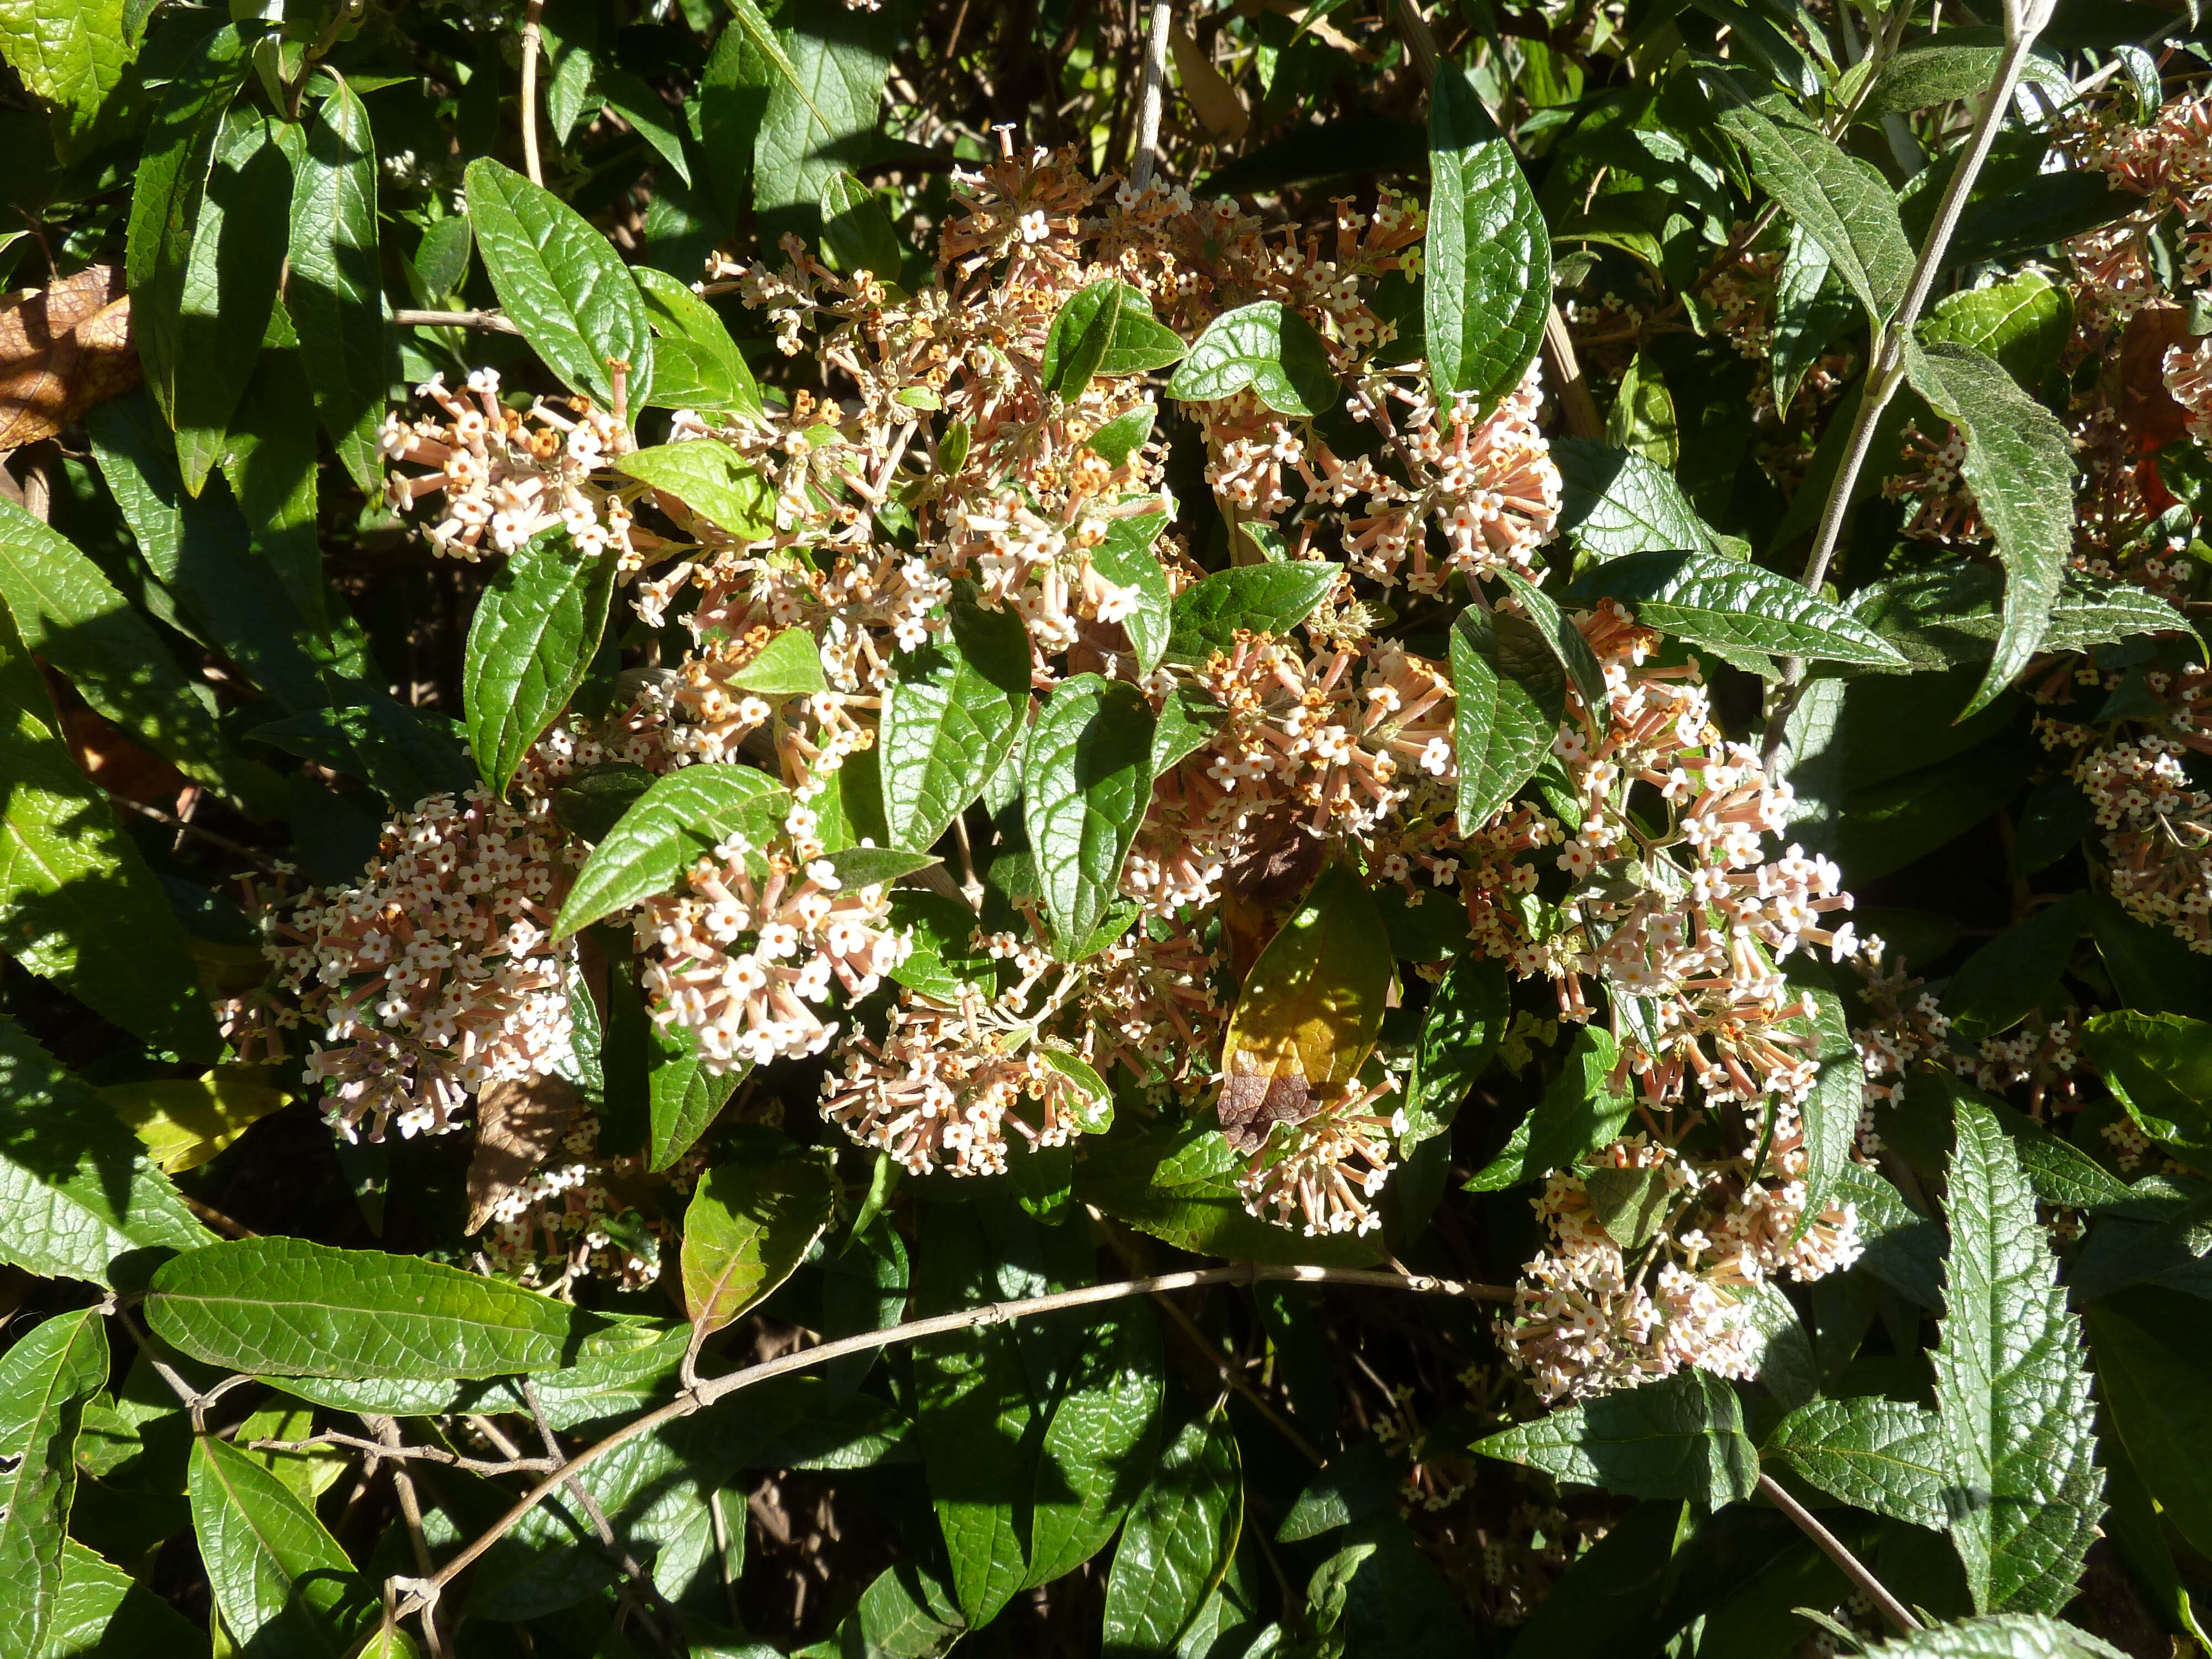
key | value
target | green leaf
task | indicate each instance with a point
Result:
(1177, 1541)
(712, 480)
(2013, 1395)
(1732, 605)
(269, 458)
(78, 904)
(537, 627)
(1613, 503)
(1179, 1184)
(2158, 1399)
(904, 1613)
(973, 1406)
(280, 1580)
(1107, 328)
(1830, 1113)
(2020, 465)
(683, 817)
(1262, 598)
(2006, 1635)
(1264, 346)
(79, 1199)
(748, 1227)
(952, 715)
(1950, 613)
(69, 615)
(560, 281)
(102, 1610)
(1681, 1436)
(825, 91)
(1087, 781)
(45, 1380)
(230, 281)
(2007, 979)
(1510, 696)
(648, 113)
(1810, 304)
(284, 1306)
(1581, 1111)
(684, 1097)
(1122, 436)
(788, 665)
(335, 289)
(1842, 202)
(856, 233)
(695, 363)
(1125, 557)
(1562, 638)
(2024, 322)
(2160, 1066)
(1487, 284)
(75, 57)
(1927, 73)
(1881, 1455)
(166, 195)
(1100, 1442)
(592, 800)
(1467, 1016)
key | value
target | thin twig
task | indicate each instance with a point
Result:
(994, 1313)
(410, 1515)
(186, 827)
(439, 1455)
(1150, 95)
(648, 1591)
(1886, 370)
(1833, 1546)
(531, 31)
(497, 322)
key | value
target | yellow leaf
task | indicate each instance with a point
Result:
(185, 1122)
(1309, 1012)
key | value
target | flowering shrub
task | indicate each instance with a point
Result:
(1338, 827)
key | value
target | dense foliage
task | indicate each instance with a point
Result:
(1105, 829)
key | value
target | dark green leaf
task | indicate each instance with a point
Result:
(1679, 1437)
(1123, 435)
(592, 800)
(1563, 638)
(166, 195)
(825, 78)
(856, 233)
(1125, 557)
(2006, 1635)
(537, 627)
(1106, 329)
(103, 1610)
(1087, 781)
(685, 816)
(280, 1580)
(1511, 695)
(1810, 304)
(1177, 1541)
(287, 1306)
(2158, 1399)
(1260, 598)
(334, 290)
(1613, 503)
(1487, 282)
(1842, 202)
(559, 281)
(1929, 73)
(1881, 1455)
(695, 363)
(1708, 599)
(45, 1379)
(2020, 465)
(2012, 1393)
(951, 715)
(1580, 1112)
(77, 901)
(2160, 1066)
(1264, 346)
(648, 113)
(684, 1096)
(1830, 1113)
(1466, 1017)
(1180, 1184)
(1100, 1442)
(2004, 980)
(748, 1227)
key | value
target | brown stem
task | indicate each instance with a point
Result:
(497, 322)
(1833, 1546)
(994, 1313)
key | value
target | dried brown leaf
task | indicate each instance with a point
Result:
(517, 1124)
(1214, 101)
(63, 350)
